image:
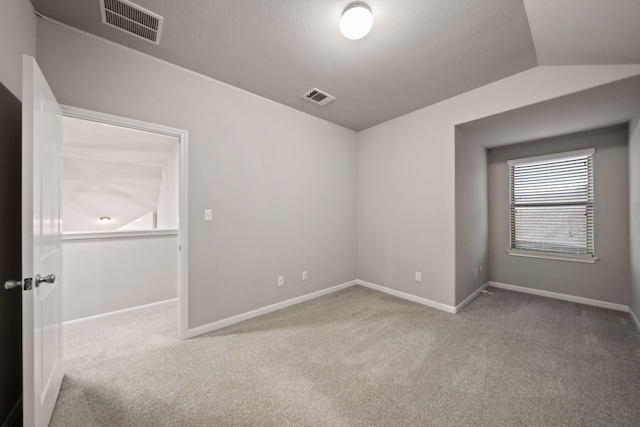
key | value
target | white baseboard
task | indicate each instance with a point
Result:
(408, 297)
(214, 326)
(564, 297)
(471, 297)
(140, 308)
(634, 319)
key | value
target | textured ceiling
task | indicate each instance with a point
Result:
(419, 52)
(583, 32)
(110, 171)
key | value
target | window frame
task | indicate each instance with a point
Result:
(532, 253)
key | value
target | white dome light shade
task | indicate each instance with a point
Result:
(356, 21)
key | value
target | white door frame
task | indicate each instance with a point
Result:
(182, 136)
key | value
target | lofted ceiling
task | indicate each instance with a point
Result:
(585, 32)
(110, 171)
(419, 52)
(603, 106)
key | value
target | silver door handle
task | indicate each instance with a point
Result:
(11, 284)
(46, 279)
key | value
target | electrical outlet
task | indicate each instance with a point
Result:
(208, 214)
(418, 276)
(280, 280)
(304, 275)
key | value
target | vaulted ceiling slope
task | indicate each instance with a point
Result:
(595, 108)
(419, 52)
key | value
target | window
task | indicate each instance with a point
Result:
(551, 206)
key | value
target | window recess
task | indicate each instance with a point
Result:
(551, 213)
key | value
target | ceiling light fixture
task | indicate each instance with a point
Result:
(356, 21)
(105, 219)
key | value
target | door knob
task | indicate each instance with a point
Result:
(11, 284)
(46, 279)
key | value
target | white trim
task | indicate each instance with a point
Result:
(183, 226)
(183, 214)
(132, 310)
(408, 297)
(563, 297)
(96, 116)
(588, 259)
(84, 235)
(564, 155)
(471, 297)
(634, 319)
(214, 326)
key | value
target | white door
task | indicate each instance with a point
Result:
(41, 247)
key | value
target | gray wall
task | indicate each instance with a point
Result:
(607, 279)
(406, 178)
(634, 212)
(403, 197)
(472, 216)
(275, 213)
(281, 183)
(17, 36)
(109, 274)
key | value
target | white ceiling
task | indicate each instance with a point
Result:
(419, 52)
(110, 171)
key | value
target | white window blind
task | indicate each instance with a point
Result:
(551, 203)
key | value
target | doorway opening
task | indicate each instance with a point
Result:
(124, 186)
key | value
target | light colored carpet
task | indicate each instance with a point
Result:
(360, 358)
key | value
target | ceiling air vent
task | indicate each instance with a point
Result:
(131, 18)
(319, 97)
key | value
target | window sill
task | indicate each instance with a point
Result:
(553, 256)
(81, 235)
